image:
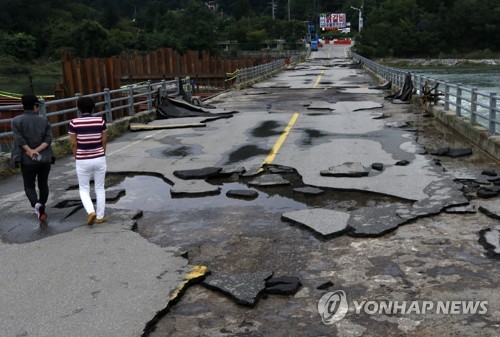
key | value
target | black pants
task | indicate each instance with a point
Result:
(30, 174)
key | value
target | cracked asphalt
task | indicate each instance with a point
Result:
(398, 240)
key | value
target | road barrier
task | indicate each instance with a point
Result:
(471, 113)
(480, 108)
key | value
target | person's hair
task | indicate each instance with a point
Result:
(85, 104)
(29, 101)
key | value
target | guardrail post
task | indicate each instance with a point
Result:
(417, 79)
(150, 96)
(446, 96)
(473, 105)
(163, 91)
(241, 75)
(107, 105)
(178, 85)
(42, 109)
(131, 109)
(458, 106)
(77, 96)
(493, 113)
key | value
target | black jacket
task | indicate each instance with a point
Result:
(32, 130)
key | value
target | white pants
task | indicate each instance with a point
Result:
(86, 169)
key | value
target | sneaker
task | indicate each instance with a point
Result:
(100, 220)
(41, 213)
(91, 219)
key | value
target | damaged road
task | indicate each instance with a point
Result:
(317, 182)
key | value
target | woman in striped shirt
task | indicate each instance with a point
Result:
(88, 143)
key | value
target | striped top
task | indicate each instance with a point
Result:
(88, 130)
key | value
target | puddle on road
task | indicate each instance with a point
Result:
(159, 199)
(245, 152)
(312, 135)
(180, 151)
(267, 129)
(220, 222)
(150, 193)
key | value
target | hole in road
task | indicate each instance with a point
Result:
(150, 193)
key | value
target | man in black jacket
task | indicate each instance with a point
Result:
(31, 151)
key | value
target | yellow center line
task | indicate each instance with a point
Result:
(274, 151)
(319, 79)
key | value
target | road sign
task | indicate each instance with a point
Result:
(333, 20)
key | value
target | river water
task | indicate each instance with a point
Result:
(484, 78)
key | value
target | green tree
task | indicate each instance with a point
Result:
(90, 39)
(256, 39)
(57, 34)
(241, 9)
(110, 17)
(198, 28)
(20, 45)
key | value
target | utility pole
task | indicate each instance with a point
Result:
(272, 6)
(360, 10)
(288, 10)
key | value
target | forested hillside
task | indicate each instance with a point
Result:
(400, 28)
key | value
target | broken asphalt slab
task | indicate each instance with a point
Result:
(242, 194)
(244, 288)
(453, 153)
(309, 190)
(326, 222)
(490, 239)
(96, 281)
(202, 173)
(283, 285)
(69, 279)
(376, 221)
(349, 169)
(272, 179)
(491, 209)
(193, 188)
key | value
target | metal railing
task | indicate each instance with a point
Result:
(108, 101)
(128, 98)
(479, 107)
(248, 74)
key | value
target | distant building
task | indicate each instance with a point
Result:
(212, 5)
